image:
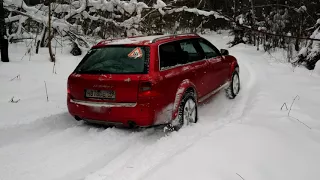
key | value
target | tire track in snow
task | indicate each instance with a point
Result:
(61, 150)
(250, 77)
(133, 144)
(36, 129)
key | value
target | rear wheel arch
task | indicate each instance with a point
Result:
(187, 111)
(185, 87)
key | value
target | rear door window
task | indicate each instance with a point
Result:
(169, 55)
(115, 60)
(179, 53)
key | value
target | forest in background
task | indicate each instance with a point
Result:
(292, 25)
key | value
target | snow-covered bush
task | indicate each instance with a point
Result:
(310, 54)
(81, 21)
(106, 19)
(246, 28)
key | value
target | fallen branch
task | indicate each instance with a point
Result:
(75, 38)
(297, 97)
(284, 105)
(240, 176)
(300, 122)
(16, 77)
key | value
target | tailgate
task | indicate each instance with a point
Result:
(110, 88)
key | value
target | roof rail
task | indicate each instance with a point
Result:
(172, 36)
(116, 39)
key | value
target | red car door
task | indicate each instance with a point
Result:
(196, 65)
(223, 68)
(213, 76)
(221, 71)
(181, 61)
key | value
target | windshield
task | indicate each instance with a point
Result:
(114, 60)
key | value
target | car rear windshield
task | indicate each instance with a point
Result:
(115, 60)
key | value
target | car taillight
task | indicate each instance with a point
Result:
(145, 86)
(68, 91)
(147, 91)
(68, 87)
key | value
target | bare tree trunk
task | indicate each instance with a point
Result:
(43, 37)
(227, 9)
(253, 13)
(258, 42)
(253, 20)
(52, 57)
(300, 28)
(234, 10)
(3, 41)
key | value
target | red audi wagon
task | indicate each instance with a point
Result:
(150, 81)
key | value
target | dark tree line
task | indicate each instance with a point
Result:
(267, 22)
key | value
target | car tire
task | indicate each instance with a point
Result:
(234, 87)
(188, 111)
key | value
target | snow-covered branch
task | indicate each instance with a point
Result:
(87, 16)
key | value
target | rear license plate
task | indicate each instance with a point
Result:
(100, 94)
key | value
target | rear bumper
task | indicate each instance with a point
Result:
(102, 104)
(126, 114)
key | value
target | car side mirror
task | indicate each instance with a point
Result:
(224, 52)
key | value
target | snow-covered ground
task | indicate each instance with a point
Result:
(249, 137)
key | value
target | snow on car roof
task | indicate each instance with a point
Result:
(139, 40)
(130, 40)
